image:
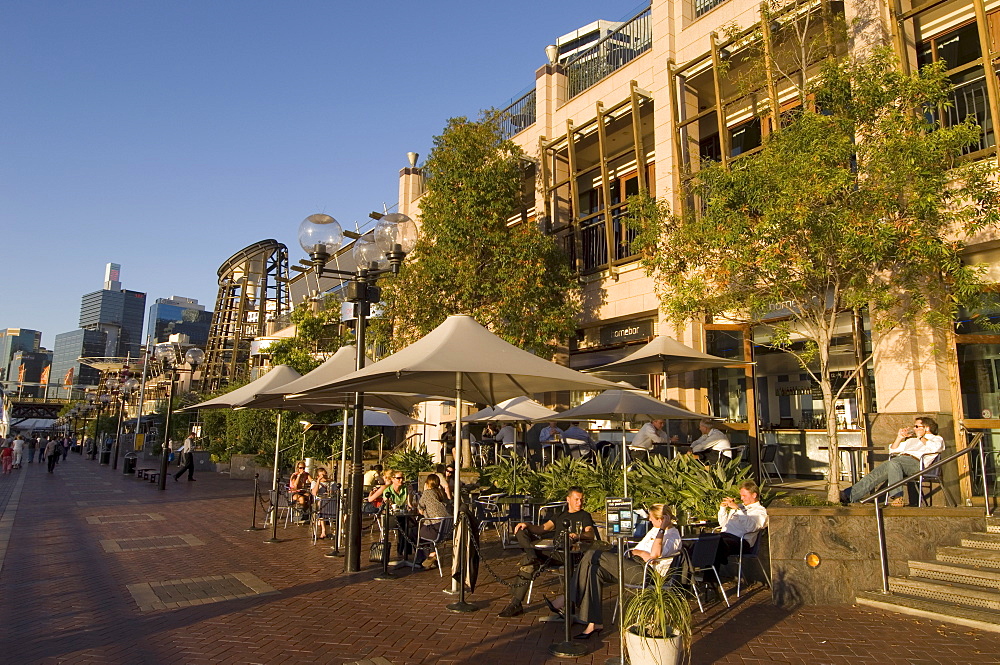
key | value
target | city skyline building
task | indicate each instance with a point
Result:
(169, 316)
(13, 340)
(111, 322)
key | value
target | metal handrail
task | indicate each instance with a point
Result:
(977, 441)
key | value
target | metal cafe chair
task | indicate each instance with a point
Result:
(702, 560)
(751, 553)
(444, 532)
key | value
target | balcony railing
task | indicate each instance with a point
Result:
(594, 241)
(519, 114)
(967, 99)
(702, 6)
(615, 50)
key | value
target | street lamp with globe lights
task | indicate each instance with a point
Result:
(125, 390)
(395, 236)
(170, 358)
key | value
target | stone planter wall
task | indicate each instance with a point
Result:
(846, 540)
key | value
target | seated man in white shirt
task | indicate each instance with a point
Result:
(578, 441)
(712, 444)
(741, 520)
(506, 438)
(651, 437)
(912, 445)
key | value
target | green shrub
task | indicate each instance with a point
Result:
(411, 462)
(513, 476)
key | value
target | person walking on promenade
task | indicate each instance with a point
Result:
(18, 451)
(7, 456)
(42, 442)
(31, 449)
(65, 447)
(52, 451)
(187, 458)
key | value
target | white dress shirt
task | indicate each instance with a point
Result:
(647, 436)
(744, 522)
(714, 440)
(930, 444)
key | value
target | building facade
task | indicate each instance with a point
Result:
(177, 315)
(12, 341)
(66, 371)
(638, 104)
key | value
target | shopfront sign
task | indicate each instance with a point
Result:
(626, 331)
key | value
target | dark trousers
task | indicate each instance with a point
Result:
(529, 570)
(405, 536)
(188, 466)
(52, 461)
(597, 570)
(728, 546)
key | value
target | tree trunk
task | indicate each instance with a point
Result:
(830, 410)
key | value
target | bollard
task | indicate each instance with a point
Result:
(463, 562)
(567, 648)
(256, 493)
(274, 519)
(385, 575)
(335, 552)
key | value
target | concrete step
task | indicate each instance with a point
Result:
(993, 524)
(932, 609)
(950, 592)
(985, 541)
(956, 572)
(970, 556)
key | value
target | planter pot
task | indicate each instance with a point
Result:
(653, 650)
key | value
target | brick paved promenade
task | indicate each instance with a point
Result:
(102, 568)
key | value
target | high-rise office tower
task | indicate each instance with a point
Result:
(169, 316)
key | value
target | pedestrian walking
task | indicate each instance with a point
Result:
(43, 441)
(18, 451)
(187, 458)
(52, 452)
(65, 448)
(31, 448)
(7, 457)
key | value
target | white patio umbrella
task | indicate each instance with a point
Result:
(462, 359)
(663, 355)
(340, 364)
(625, 405)
(389, 418)
(517, 410)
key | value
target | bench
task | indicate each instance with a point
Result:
(141, 473)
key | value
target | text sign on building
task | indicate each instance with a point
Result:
(627, 331)
(621, 519)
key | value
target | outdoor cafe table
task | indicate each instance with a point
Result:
(534, 505)
(854, 457)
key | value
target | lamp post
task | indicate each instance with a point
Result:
(125, 390)
(103, 400)
(395, 236)
(169, 356)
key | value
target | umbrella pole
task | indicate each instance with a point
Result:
(343, 453)
(274, 485)
(624, 462)
(456, 491)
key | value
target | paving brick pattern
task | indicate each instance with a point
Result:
(64, 599)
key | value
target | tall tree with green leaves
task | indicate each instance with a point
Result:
(317, 331)
(861, 202)
(470, 259)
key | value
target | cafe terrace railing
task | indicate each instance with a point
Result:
(612, 52)
(977, 444)
(519, 114)
(969, 98)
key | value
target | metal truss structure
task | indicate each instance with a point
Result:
(253, 291)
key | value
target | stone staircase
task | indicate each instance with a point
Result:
(961, 586)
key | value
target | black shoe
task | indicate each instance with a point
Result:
(514, 609)
(190, 480)
(175, 479)
(552, 608)
(587, 636)
(845, 497)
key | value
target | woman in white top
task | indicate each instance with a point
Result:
(598, 569)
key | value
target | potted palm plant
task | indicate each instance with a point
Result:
(658, 624)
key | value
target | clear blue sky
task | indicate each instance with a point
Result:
(165, 135)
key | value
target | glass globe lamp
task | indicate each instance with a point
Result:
(320, 236)
(396, 232)
(367, 253)
(194, 356)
